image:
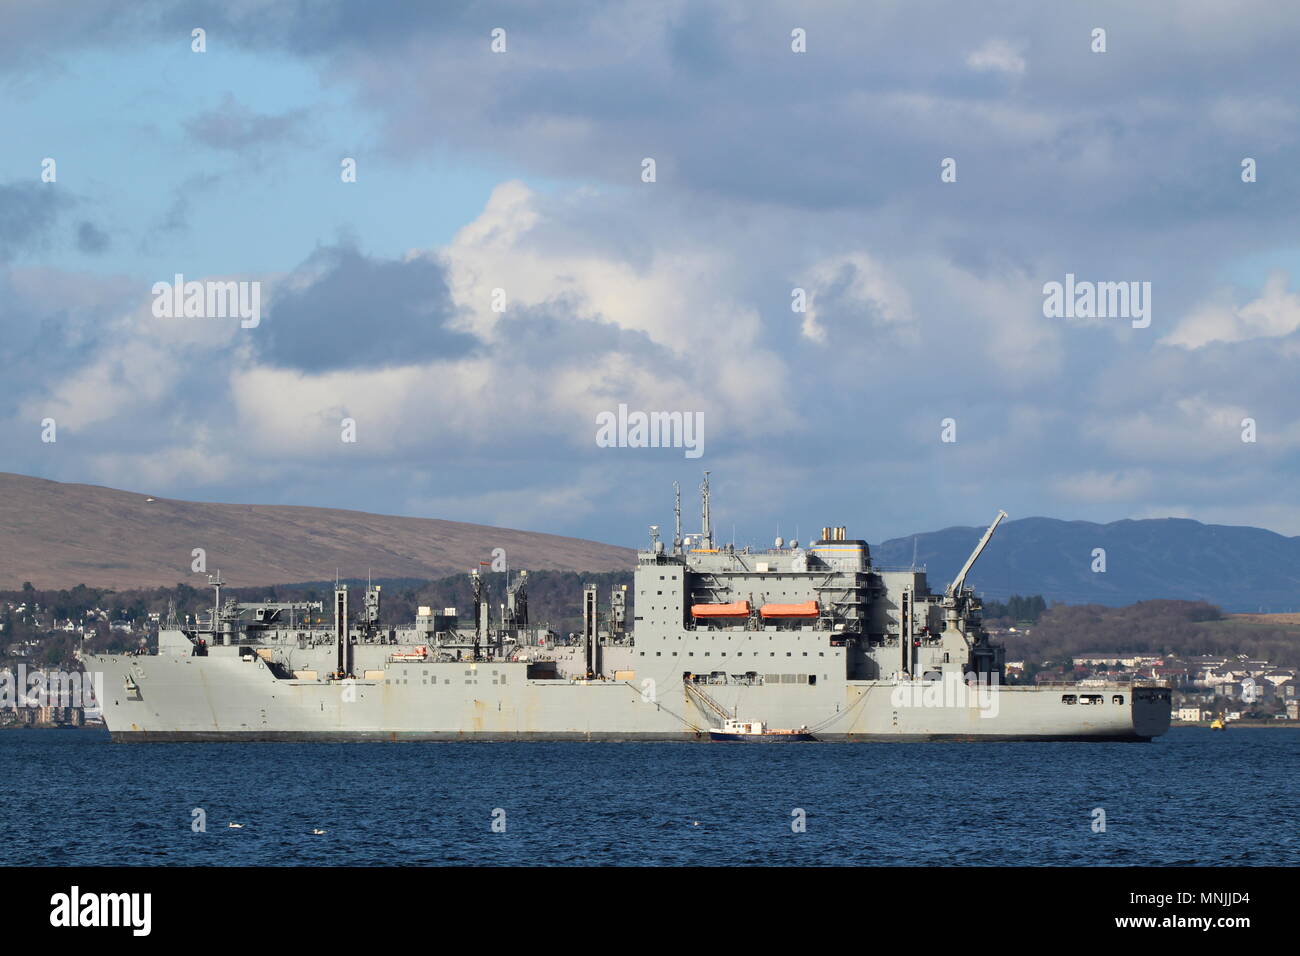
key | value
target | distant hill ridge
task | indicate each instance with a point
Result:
(1237, 568)
(58, 535)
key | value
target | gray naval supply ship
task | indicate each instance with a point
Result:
(817, 639)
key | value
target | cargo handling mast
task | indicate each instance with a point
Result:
(960, 608)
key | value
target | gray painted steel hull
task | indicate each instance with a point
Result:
(176, 698)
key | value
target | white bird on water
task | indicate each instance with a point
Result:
(318, 832)
(235, 826)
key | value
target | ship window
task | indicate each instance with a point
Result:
(1069, 699)
(1117, 699)
(812, 678)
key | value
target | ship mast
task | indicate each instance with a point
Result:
(704, 503)
(677, 518)
(217, 585)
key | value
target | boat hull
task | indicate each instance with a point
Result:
(225, 697)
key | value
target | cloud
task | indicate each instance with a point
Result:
(997, 56)
(235, 127)
(776, 170)
(27, 214)
(856, 295)
(1275, 313)
(91, 239)
(686, 342)
(343, 309)
(412, 350)
(1104, 486)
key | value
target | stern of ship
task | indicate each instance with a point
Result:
(1152, 709)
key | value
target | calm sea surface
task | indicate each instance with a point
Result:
(1191, 797)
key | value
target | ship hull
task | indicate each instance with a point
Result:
(297, 736)
(240, 698)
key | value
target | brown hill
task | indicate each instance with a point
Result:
(59, 535)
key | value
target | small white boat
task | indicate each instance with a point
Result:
(755, 731)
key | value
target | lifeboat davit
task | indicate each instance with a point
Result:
(806, 609)
(734, 609)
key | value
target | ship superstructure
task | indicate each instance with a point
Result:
(814, 637)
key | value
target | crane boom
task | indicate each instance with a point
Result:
(960, 580)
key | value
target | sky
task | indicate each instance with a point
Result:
(504, 271)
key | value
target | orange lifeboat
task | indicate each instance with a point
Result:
(806, 609)
(735, 609)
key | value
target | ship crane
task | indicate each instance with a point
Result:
(955, 589)
(983, 658)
